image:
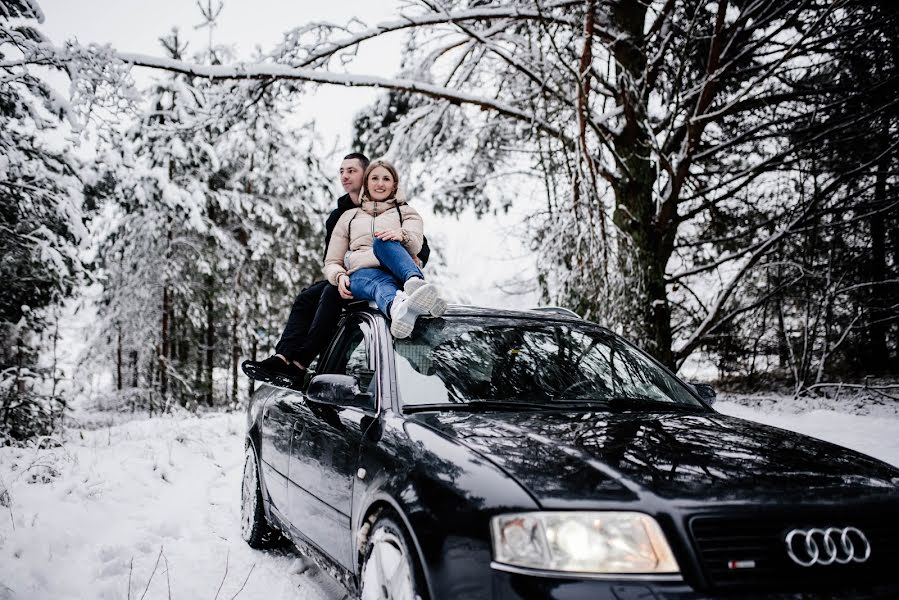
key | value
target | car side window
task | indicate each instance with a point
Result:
(358, 359)
(352, 355)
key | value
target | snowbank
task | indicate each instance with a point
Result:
(871, 427)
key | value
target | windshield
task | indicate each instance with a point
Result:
(502, 360)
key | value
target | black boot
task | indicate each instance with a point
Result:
(275, 371)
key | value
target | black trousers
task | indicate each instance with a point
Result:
(312, 321)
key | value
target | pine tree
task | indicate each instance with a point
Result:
(40, 226)
(205, 237)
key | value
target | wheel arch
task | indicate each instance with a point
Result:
(378, 506)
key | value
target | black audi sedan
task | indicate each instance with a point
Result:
(532, 455)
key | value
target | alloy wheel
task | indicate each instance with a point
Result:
(388, 572)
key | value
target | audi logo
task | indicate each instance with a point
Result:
(808, 547)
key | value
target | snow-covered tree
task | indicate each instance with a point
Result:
(657, 130)
(655, 139)
(209, 228)
(40, 223)
(829, 292)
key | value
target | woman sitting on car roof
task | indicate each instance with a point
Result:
(372, 249)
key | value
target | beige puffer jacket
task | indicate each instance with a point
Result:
(351, 243)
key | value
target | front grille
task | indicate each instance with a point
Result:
(751, 552)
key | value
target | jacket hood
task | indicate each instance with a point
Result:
(577, 459)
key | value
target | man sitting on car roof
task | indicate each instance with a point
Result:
(316, 310)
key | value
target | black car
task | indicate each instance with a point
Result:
(531, 454)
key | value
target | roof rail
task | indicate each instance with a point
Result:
(559, 310)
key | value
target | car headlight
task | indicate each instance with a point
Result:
(585, 542)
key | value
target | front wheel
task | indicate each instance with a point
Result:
(389, 568)
(254, 527)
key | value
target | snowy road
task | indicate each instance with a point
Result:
(91, 517)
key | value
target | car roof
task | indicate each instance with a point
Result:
(543, 313)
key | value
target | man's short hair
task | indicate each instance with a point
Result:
(358, 156)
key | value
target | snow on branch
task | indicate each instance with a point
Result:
(22, 9)
(329, 48)
(274, 71)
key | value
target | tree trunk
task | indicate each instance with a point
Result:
(235, 356)
(198, 374)
(180, 349)
(644, 254)
(134, 368)
(151, 365)
(878, 326)
(643, 261)
(164, 344)
(55, 374)
(210, 344)
(893, 230)
(118, 357)
(783, 351)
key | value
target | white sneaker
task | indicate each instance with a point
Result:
(402, 321)
(412, 284)
(438, 304)
(405, 310)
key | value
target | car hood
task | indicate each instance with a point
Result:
(574, 459)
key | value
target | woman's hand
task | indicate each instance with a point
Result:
(393, 235)
(343, 286)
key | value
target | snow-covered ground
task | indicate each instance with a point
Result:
(92, 516)
(149, 508)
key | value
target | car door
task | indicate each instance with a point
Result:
(279, 417)
(324, 455)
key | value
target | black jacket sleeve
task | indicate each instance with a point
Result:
(329, 228)
(425, 252)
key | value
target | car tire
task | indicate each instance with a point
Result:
(254, 527)
(390, 568)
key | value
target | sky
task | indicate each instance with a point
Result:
(244, 25)
(479, 257)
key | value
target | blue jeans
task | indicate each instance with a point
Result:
(382, 284)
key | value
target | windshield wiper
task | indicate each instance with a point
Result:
(650, 403)
(476, 406)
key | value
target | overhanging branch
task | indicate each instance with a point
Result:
(264, 72)
(439, 18)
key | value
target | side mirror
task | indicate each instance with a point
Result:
(338, 390)
(705, 391)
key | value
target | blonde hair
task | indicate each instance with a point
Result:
(390, 168)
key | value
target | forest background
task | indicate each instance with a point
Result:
(714, 180)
